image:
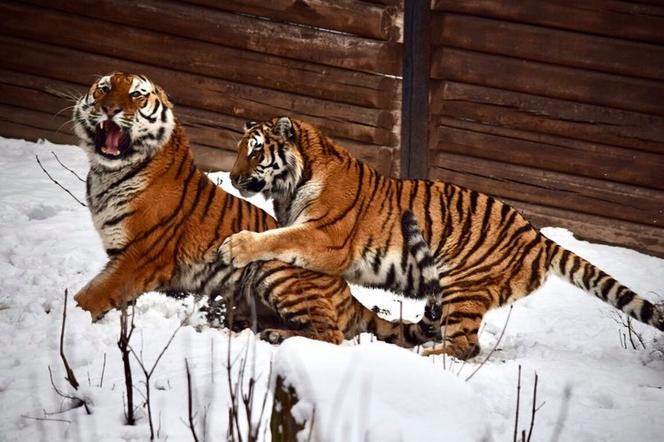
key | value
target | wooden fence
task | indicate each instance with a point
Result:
(333, 63)
(555, 107)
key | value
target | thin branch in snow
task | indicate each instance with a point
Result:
(46, 419)
(59, 185)
(518, 397)
(494, 347)
(148, 374)
(189, 402)
(67, 168)
(103, 370)
(71, 378)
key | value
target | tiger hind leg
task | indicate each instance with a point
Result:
(460, 331)
(278, 335)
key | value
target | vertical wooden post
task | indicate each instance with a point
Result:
(415, 90)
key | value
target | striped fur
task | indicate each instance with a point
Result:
(161, 221)
(342, 217)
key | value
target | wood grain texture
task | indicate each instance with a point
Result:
(628, 20)
(528, 42)
(548, 80)
(552, 189)
(567, 119)
(243, 32)
(547, 152)
(241, 66)
(348, 16)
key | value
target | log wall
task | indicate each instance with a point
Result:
(335, 63)
(555, 107)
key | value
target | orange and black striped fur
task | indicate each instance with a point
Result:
(339, 216)
(161, 221)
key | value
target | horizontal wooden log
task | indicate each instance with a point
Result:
(243, 32)
(593, 228)
(549, 45)
(349, 16)
(552, 189)
(604, 17)
(247, 102)
(536, 78)
(549, 153)
(279, 73)
(596, 124)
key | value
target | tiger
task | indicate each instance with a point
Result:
(341, 217)
(161, 221)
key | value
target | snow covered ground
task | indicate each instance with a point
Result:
(590, 388)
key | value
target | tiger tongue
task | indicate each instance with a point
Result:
(113, 135)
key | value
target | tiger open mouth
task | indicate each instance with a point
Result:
(111, 140)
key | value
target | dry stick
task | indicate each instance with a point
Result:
(60, 185)
(67, 168)
(189, 402)
(148, 375)
(123, 345)
(46, 419)
(534, 410)
(71, 378)
(103, 370)
(494, 347)
(78, 402)
(518, 394)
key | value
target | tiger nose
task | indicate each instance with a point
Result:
(111, 110)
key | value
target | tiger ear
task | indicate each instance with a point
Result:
(248, 125)
(284, 128)
(163, 96)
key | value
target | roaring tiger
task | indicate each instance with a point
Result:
(341, 217)
(162, 220)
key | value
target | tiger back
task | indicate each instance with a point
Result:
(339, 216)
(161, 221)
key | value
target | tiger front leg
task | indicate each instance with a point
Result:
(116, 285)
(302, 247)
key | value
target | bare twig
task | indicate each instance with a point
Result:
(103, 370)
(67, 168)
(71, 378)
(189, 402)
(46, 419)
(494, 347)
(59, 185)
(518, 396)
(126, 331)
(148, 374)
(534, 410)
(77, 401)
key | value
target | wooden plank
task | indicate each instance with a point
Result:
(593, 228)
(415, 108)
(547, 80)
(550, 45)
(349, 16)
(244, 32)
(300, 77)
(508, 109)
(247, 102)
(552, 189)
(611, 18)
(549, 153)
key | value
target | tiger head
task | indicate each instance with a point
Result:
(123, 119)
(268, 159)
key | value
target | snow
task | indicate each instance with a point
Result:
(591, 387)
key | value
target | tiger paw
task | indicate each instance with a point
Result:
(96, 307)
(273, 336)
(237, 249)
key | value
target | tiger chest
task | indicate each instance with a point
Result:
(110, 196)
